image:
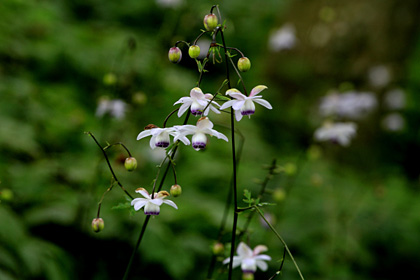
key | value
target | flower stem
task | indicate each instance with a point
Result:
(282, 241)
(109, 165)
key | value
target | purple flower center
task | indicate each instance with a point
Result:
(247, 112)
(196, 112)
(162, 144)
(151, 213)
(199, 145)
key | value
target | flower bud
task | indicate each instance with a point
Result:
(110, 79)
(218, 248)
(194, 51)
(130, 163)
(176, 190)
(174, 55)
(248, 276)
(98, 224)
(6, 195)
(279, 194)
(210, 22)
(244, 64)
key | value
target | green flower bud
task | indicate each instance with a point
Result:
(279, 194)
(110, 79)
(244, 64)
(176, 190)
(174, 55)
(98, 224)
(210, 22)
(290, 169)
(194, 51)
(248, 276)
(6, 195)
(218, 248)
(130, 163)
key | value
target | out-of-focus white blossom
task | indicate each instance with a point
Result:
(395, 99)
(283, 38)
(351, 104)
(169, 3)
(248, 259)
(379, 76)
(393, 122)
(116, 108)
(340, 133)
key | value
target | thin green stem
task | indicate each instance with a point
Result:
(109, 165)
(282, 241)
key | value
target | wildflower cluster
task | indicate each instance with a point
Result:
(234, 103)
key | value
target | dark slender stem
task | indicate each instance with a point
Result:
(143, 229)
(109, 165)
(119, 143)
(168, 116)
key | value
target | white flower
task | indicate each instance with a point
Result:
(395, 99)
(197, 101)
(379, 76)
(151, 205)
(249, 259)
(169, 3)
(351, 104)
(116, 108)
(340, 133)
(283, 38)
(393, 122)
(160, 136)
(199, 140)
(244, 105)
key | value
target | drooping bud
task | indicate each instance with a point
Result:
(174, 55)
(210, 22)
(110, 79)
(98, 224)
(176, 190)
(248, 276)
(218, 248)
(194, 51)
(244, 64)
(130, 163)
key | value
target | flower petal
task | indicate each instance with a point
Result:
(157, 201)
(259, 249)
(145, 133)
(263, 102)
(197, 93)
(238, 115)
(237, 95)
(261, 265)
(184, 107)
(219, 135)
(244, 251)
(170, 203)
(257, 90)
(143, 192)
(238, 104)
(138, 203)
(227, 104)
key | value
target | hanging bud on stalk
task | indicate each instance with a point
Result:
(176, 190)
(175, 55)
(244, 64)
(194, 51)
(130, 163)
(210, 22)
(98, 224)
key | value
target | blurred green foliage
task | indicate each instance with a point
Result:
(345, 213)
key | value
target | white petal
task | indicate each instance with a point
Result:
(236, 261)
(257, 90)
(244, 251)
(197, 93)
(227, 104)
(138, 203)
(260, 248)
(170, 203)
(156, 201)
(219, 135)
(145, 133)
(204, 124)
(184, 99)
(238, 115)
(184, 107)
(238, 104)
(263, 102)
(261, 265)
(238, 95)
(144, 193)
(263, 257)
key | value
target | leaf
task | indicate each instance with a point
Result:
(122, 206)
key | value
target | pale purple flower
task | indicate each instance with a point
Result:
(350, 104)
(199, 140)
(160, 136)
(151, 205)
(340, 133)
(244, 105)
(248, 259)
(393, 122)
(116, 108)
(283, 38)
(197, 101)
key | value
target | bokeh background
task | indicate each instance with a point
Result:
(346, 212)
